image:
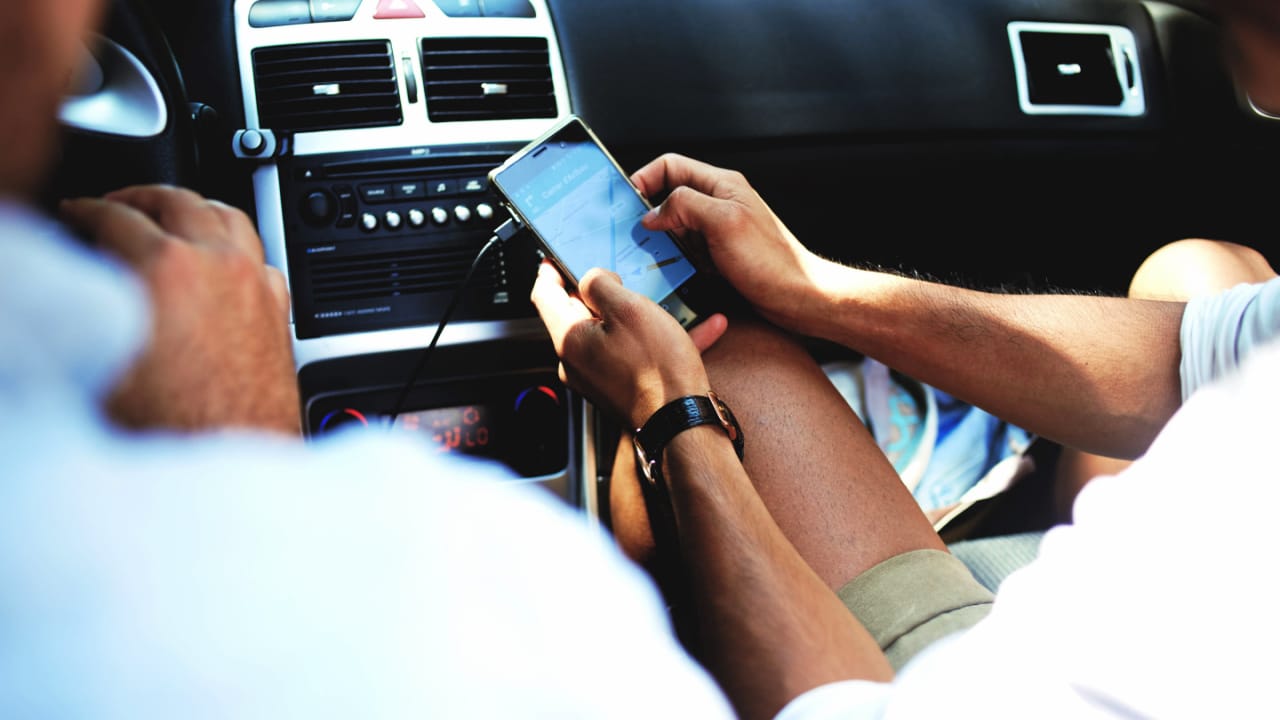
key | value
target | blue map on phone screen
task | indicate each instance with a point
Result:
(590, 216)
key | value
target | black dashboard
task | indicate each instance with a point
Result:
(1021, 144)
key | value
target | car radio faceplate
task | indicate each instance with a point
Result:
(383, 239)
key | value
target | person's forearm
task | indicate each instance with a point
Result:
(1096, 373)
(770, 628)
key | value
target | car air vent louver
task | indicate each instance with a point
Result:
(327, 86)
(397, 273)
(487, 79)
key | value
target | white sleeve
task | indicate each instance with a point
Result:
(844, 700)
(1219, 330)
(233, 577)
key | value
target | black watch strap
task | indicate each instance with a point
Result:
(674, 418)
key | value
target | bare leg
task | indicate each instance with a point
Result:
(825, 481)
(1177, 271)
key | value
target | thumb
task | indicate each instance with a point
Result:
(603, 293)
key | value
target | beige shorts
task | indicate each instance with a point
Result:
(914, 599)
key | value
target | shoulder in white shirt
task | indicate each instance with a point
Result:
(244, 576)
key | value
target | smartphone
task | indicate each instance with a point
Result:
(585, 213)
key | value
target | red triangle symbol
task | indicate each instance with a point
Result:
(396, 9)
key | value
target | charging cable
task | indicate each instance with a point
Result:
(505, 232)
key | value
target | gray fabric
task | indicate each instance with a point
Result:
(992, 559)
(914, 599)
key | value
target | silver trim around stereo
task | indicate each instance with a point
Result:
(589, 481)
(412, 338)
(1123, 45)
(415, 131)
(270, 210)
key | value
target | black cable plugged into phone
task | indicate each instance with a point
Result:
(502, 234)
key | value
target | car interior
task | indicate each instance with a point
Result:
(1018, 145)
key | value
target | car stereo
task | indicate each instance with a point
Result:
(379, 240)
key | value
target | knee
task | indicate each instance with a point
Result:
(753, 342)
(1186, 268)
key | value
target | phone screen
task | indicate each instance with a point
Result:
(574, 197)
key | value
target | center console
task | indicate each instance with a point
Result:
(372, 125)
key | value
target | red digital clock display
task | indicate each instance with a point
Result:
(463, 429)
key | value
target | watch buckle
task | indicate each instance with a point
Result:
(646, 465)
(722, 415)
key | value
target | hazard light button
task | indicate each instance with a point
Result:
(398, 9)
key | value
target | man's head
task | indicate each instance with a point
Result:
(40, 42)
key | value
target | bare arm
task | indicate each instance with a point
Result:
(772, 629)
(1096, 373)
(1100, 374)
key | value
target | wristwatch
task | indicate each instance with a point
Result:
(674, 418)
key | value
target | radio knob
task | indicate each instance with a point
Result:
(319, 208)
(417, 218)
(484, 211)
(463, 213)
(439, 215)
(539, 445)
(393, 220)
(368, 222)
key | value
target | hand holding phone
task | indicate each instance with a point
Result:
(585, 213)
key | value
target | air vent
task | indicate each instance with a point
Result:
(327, 86)
(1074, 69)
(487, 79)
(392, 274)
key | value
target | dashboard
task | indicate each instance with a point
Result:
(1014, 144)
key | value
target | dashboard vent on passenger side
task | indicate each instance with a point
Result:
(327, 86)
(1074, 69)
(487, 79)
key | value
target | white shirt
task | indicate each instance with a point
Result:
(241, 576)
(1159, 600)
(1219, 330)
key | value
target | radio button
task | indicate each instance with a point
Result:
(392, 220)
(475, 185)
(375, 193)
(439, 215)
(409, 190)
(459, 8)
(346, 197)
(417, 218)
(484, 211)
(333, 10)
(368, 222)
(463, 213)
(436, 188)
(271, 13)
(346, 205)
